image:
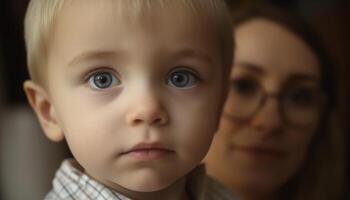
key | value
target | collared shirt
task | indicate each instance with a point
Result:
(70, 183)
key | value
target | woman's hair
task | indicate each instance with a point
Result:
(322, 174)
(41, 15)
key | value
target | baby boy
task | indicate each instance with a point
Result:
(135, 87)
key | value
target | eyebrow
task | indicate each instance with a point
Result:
(193, 53)
(253, 67)
(303, 77)
(89, 55)
(293, 77)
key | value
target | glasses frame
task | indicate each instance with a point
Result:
(281, 110)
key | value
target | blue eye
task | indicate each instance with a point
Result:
(103, 80)
(182, 79)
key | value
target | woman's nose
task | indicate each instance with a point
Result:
(147, 109)
(268, 118)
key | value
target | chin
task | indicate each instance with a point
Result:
(148, 180)
(148, 183)
(261, 185)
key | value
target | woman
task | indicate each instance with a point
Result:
(275, 139)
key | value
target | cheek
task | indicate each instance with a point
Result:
(194, 126)
(92, 146)
(85, 136)
(87, 128)
(299, 140)
(195, 132)
(224, 138)
(227, 132)
(228, 128)
(298, 143)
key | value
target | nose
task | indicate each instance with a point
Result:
(147, 109)
(268, 118)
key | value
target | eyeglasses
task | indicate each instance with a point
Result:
(299, 105)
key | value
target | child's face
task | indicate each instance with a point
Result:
(137, 102)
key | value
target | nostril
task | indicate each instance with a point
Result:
(137, 121)
(147, 114)
(157, 121)
(152, 121)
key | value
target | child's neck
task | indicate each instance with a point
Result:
(176, 191)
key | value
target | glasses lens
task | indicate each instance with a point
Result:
(302, 105)
(244, 98)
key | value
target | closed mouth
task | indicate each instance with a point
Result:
(148, 151)
(261, 151)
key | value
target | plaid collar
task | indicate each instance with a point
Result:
(72, 184)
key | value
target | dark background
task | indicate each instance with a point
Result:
(331, 18)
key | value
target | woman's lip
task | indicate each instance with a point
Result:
(261, 151)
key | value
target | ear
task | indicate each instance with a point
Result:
(44, 110)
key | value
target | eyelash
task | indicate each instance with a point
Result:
(186, 69)
(86, 76)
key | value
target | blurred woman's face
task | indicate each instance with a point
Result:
(272, 111)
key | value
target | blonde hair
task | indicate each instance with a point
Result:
(41, 15)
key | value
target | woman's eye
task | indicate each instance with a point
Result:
(182, 79)
(245, 87)
(302, 97)
(103, 80)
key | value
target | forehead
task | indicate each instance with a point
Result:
(146, 14)
(141, 10)
(274, 49)
(107, 25)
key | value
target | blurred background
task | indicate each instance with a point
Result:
(28, 160)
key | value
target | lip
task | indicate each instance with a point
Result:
(261, 151)
(148, 151)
